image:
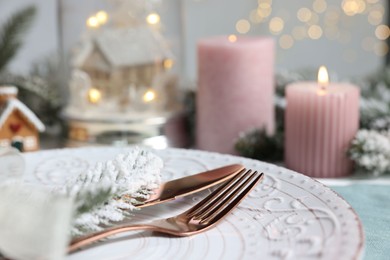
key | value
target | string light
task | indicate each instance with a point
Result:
(153, 18)
(232, 38)
(375, 17)
(382, 32)
(314, 32)
(319, 6)
(94, 96)
(93, 22)
(381, 48)
(168, 63)
(324, 19)
(304, 14)
(102, 17)
(286, 41)
(243, 26)
(149, 96)
(276, 25)
(353, 7)
(254, 17)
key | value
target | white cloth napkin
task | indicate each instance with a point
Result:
(11, 164)
(34, 223)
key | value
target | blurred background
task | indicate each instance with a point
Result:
(69, 54)
(348, 36)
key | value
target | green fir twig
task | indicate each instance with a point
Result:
(12, 32)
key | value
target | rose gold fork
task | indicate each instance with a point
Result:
(204, 215)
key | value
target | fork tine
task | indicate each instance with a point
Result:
(230, 202)
(214, 196)
(225, 193)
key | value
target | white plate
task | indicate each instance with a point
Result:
(288, 216)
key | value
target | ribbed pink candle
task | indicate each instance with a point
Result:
(235, 90)
(319, 127)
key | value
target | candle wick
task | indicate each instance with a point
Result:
(322, 89)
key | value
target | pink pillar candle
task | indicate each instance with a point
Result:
(235, 90)
(320, 124)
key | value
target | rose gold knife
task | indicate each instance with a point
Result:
(188, 185)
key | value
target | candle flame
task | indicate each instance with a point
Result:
(323, 80)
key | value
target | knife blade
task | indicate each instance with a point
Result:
(190, 184)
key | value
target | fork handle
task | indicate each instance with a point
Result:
(79, 242)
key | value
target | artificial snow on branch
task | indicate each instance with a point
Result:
(108, 192)
(370, 150)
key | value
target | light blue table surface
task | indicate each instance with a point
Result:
(372, 204)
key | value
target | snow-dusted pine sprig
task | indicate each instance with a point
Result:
(107, 193)
(370, 150)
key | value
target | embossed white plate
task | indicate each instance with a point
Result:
(288, 216)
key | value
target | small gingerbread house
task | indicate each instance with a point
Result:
(19, 126)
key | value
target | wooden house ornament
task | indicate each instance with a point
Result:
(19, 126)
(117, 59)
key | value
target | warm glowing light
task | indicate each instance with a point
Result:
(382, 32)
(168, 63)
(304, 14)
(254, 17)
(353, 7)
(323, 77)
(149, 96)
(264, 5)
(323, 81)
(381, 48)
(286, 41)
(94, 96)
(93, 22)
(314, 32)
(375, 17)
(243, 26)
(319, 6)
(232, 38)
(276, 25)
(264, 13)
(153, 18)
(102, 17)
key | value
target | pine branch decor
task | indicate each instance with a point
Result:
(11, 34)
(111, 190)
(370, 150)
(257, 144)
